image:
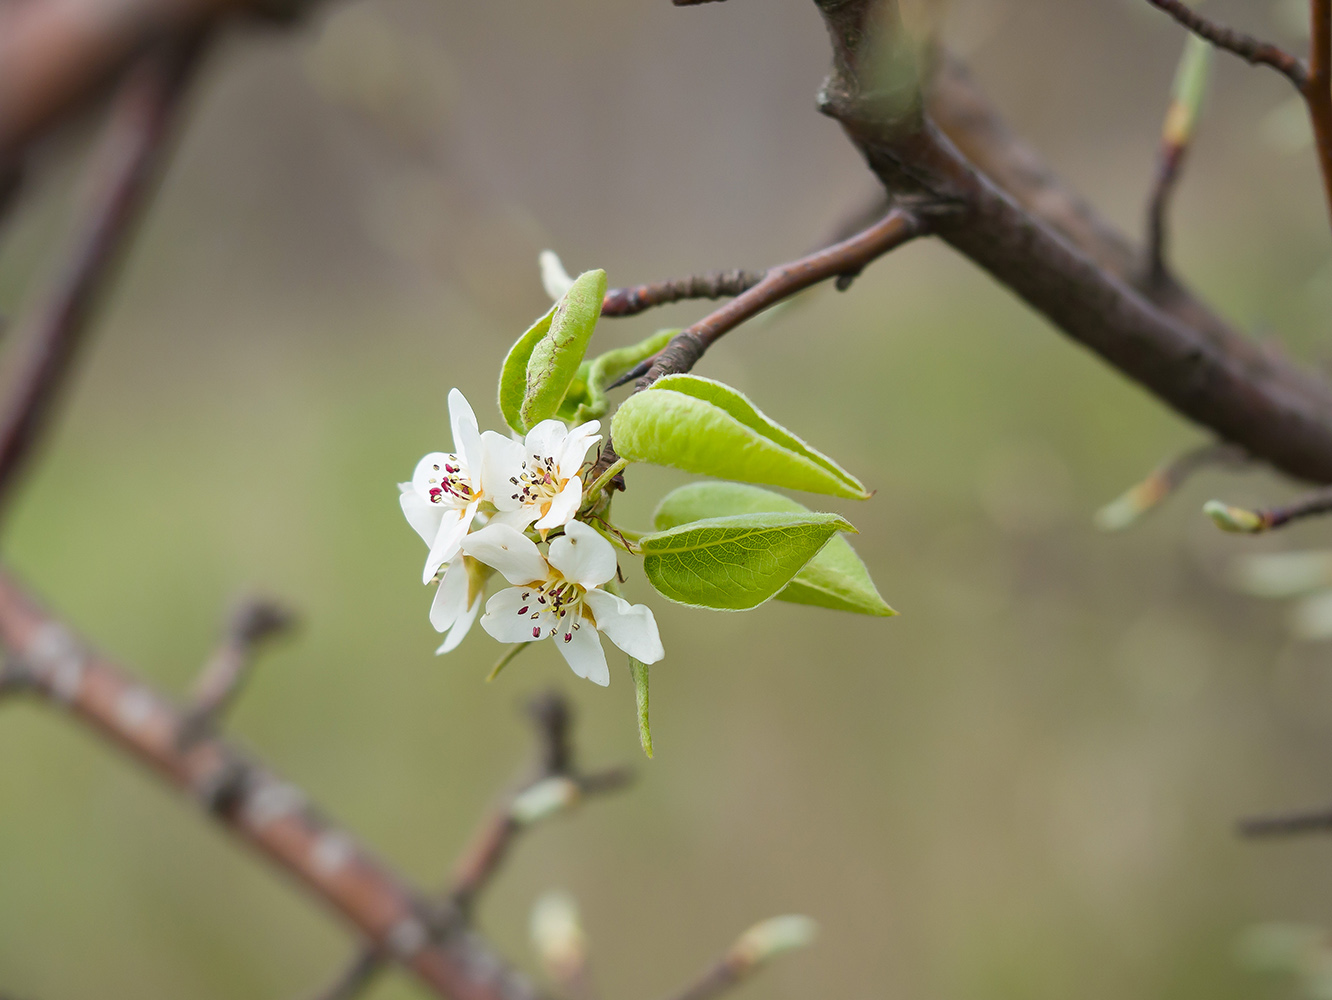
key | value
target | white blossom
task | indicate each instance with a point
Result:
(536, 479)
(456, 603)
(560, 596)
(446, 489)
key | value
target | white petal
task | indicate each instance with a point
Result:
(582, 555)
(451, 598)
(421, 514)
(501, 461)
(452, 530)
(582, 650)
(545, 439)
(573, 453)
(564, 506)
(554, 278)
(466, 437)
(460, 628)
(632, 627)
(518, 519)
(509, 616)
(511, 552)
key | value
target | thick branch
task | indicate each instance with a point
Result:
(269, 814)
(1273, 410)
(1248, 48)
(122, 174)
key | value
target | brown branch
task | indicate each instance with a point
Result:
(122, 174)
(269, 814)
(1318, 89)
(223, 676)
(848, 257)
(1215, 377)
(1248, 48)
(712, 285)
(1169, 161)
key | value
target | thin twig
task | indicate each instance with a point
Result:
(124, 166)
(1253, 522)
(1317, 821)
(712, 285)
(1164, 480)
(359, 975)
(1248, 48)
(848, 257)
(223, 676)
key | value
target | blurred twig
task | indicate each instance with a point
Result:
(223, 676)
(1164, 481)
(122, 173)
(750, 952)
(1313, 80)
(554, 785)
(1181, 120)
(1248, 48)
(1317, 821)
(1253, 522)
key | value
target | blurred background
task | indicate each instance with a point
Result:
(1025, 786)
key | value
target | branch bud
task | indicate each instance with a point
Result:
(557, 935)
(544, 799)
(1236, 519)
(768, 939)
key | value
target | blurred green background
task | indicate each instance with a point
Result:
(1025, 786)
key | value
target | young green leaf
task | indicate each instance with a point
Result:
(835, 578)
(699, 425)
(513, 373)
(555, 357)
(734, 563)
(606, 368)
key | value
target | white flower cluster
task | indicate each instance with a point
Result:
(516, 493)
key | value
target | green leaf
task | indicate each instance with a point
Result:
(734, 563)
(513, 373)
(606, 368)
(555, 357)
(835, 578)
(699, 425)
(640, 672)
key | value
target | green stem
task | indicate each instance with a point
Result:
(591, 494)
(506, 659)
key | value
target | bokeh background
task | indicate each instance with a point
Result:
(1025, 786)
